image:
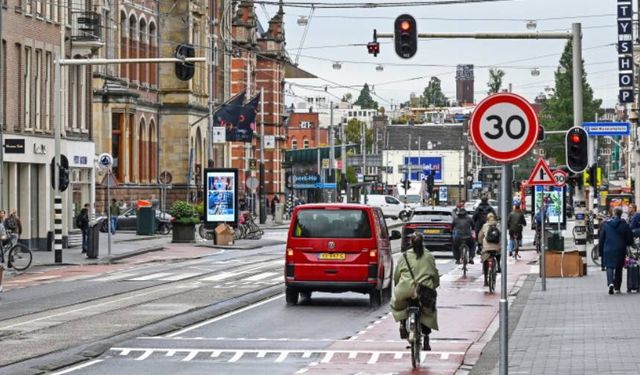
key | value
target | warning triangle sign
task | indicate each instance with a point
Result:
(541, 174)
(109, 180)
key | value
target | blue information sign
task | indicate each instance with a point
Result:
(607, 128)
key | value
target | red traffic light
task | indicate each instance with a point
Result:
(405, 25)
(575, 139)
(373, 48)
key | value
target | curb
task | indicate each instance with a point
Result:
(114, 258)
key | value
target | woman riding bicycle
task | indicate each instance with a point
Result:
(423, 266)
(488, 246)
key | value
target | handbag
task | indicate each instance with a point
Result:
(423, 294)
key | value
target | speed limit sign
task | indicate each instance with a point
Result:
(504, 127)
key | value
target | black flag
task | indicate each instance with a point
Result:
(247, 120)
(228, 115)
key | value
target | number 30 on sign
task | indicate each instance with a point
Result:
(504, 127)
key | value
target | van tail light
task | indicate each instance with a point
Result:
(289, 254)
(288, 267)
(373, 256)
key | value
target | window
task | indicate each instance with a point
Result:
(39, 7)
(332, 224)
(305, 143)
(294, 144)
(47, 91)
(116, 145)
(27, 88)
(72, 120)
(54, 10)
(391, 200)
(38, 89)
(28, 7)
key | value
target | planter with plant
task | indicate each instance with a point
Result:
(184, 222)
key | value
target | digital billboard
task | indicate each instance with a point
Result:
(554, 203)
(221, 192)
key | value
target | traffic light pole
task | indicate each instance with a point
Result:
(263, 204)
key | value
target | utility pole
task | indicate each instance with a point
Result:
(344, 158)
(363, 148)
(332, 153)
(262, 195)
(1, 113)
(318, 160)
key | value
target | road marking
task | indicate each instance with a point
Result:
(327, 357)
(224, 316)
(236, 356)
(443, 261)
(115, 277)
(220, 276)
(144, 355)
(151, 277)
(374, 358)
(281, 357)
(74, 368)
(192, 354)
(352, 355)
(181, 276)
(261, 276)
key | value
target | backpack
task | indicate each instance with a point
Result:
(11, 223)
(493, 234)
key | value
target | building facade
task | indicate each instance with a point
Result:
(31, 44)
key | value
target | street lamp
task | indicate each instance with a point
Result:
(379, 68)
(337, 65)
(532, 25)
(535, 72)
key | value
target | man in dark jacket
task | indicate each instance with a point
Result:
(83, 223)
(515, 223)
(615, 236)
(462, 227)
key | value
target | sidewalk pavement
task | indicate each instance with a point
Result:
(574, 327)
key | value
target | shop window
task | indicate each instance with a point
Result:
(294, 144)
(305, 143)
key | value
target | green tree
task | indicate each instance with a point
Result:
(495, 80)
(432, 94)
(347, 98)
(353, 132)
(365, 101)
(557, 109)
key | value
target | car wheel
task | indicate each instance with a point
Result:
(291, 296)
(375, 297)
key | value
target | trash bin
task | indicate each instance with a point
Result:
(555, 241)
(93, 240)
(146, 221)
(279, 213)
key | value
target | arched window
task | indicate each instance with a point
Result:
(133, 46)
(305, 143)
(123, 43)
(143, 162)
(152, 147)
(142, 42)
(153, 52)
(294, 144)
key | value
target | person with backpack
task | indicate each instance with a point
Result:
(489, 236)
(82, 222)
(13, 223)
(480, 216)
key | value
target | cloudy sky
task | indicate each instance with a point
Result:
(332, 33)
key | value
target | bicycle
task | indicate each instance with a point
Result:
(19, 256)
(464, 255)
(414, 328)
(491, 271)
(204, 233)
(516, 246)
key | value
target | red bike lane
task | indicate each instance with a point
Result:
(466, 312)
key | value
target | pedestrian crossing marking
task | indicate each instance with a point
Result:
(181, 276)
(276, 355)
(261, 276)
(220, 276)
(152, 276)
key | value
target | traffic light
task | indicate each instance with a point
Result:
(592, 176)
(373, 48)
(185, 70)
(577, 150)
(63, 181)
(405, 36)
(406, 184)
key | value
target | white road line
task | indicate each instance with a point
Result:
(398, 356)
(278, 279)
(151, 277)
(307, 354)
(171, 353)
(327, 357)
(302, 371)
(181, 276)
(192, 354)
(236, 356)
(443, 261)
(374, 358)
(353, 355)
(261, 354)
(114, 277)
(260, 276)
(74, 368)
(145, 355)
(215, 354)
(444, 356)
(224, 316)
(281, 357)
(220, 276)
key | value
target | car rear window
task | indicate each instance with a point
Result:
(427, 216)
(332, 224)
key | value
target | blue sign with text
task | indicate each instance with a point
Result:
(607, 128)
(427, 164)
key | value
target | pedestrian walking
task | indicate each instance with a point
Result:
(12, 223)
(114, 210)
(634, 220)
(82, 222)
(274, 201)
(615, 236)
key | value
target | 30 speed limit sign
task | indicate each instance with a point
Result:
(504, 127)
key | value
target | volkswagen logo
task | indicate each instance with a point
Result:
(331, 245)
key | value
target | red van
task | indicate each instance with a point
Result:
(338, 248)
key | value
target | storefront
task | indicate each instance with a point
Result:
(27, 183)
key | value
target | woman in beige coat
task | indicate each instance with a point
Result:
(423, 265)
(488, 246)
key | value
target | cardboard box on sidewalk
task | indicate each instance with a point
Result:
(563, 264)
(224, 235)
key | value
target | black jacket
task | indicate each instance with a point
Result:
(480, 216)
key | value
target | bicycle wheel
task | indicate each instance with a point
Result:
(20, 257)
(595, 255)
(492, 278)
(416, 344)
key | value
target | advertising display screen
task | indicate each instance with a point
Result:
(554, 202)
(221, 192)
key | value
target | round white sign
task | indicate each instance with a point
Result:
(560, 177)
(504, 127)
(105, 160)
(252, 183)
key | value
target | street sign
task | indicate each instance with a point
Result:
(370, 178)
(252, 183)
(105, 160)
(504, 127)
(269, 142)
(253, 164)
(541, 174)
(560, 177)
(219, 134)
(596, 129)
(360, 177)
(325, 163)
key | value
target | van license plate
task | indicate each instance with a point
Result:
(332, 256)
(431, 231)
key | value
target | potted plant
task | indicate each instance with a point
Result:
(185, 218)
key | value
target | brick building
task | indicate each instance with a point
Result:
(304, 131)
(31, 44)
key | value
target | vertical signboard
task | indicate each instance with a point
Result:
(221, 192)
(555, 206)
(625, 51)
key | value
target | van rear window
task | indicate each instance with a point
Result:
(332, 224)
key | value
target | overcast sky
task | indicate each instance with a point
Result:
(331, 29)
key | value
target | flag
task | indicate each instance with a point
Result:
(247, 120)
(227, 115)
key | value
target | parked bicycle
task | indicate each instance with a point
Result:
(248, 227)
(19, 256)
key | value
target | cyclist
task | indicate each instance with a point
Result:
(423, 266)
(489, 245)
(480, 217)
(462, 232)
(515, 223)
